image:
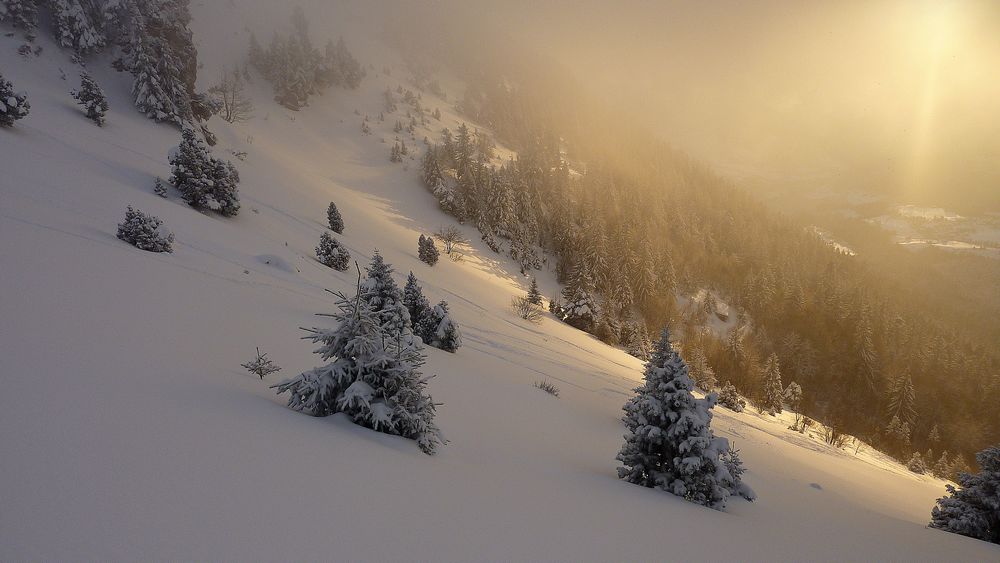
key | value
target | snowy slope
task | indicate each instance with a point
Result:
(128, 431)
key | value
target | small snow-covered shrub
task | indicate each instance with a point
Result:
(13, 106)
(159, 189)
(261, 365)
(547, 387)
(332, 254)
(143, 232)
(525, 309)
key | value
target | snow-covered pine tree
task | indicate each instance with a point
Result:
(13, 105)
(427, 250)
(332, 254)
(941, 467)
(916, 464)
(772, 394)
(334, 219)
(20, 13)
(730, 398)
(793, 395)
(702, 373)
(637, 342)
(580, 310)
(91, 97)
(534, 296)
(437, 329)
(669, 444)
(900, 399)
(373, 378)
(416, 304)
(204, 181)
(261, 365)
(78, 24)
(380, 291)
(159, 51)
(973, 508)
(143, 232)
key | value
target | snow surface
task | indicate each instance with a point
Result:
(129, 431)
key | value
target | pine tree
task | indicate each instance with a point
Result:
(900, 399)
(973, 508)
(77, 25)
(772, 395)
(13, 106)
(580, 309)
(20, 13)
(385, 298)
(334, 219)
(637, 344)
(261, 365)
(669, 444)
(534, 296)
(159, 51)
(91, 97)
(332, 254)
(942, 469)
(730, 398)
(373, 378)
(143, 232)
(427, 250)
(793, 395)
(699, 370)
(437, 329)
(416, 304)
(916, 464)
(204, 181)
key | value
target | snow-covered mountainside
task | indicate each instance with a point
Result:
(129, 431)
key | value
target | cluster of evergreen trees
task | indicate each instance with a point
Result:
(298, 70)
(151, 38)
(432, 324)
(634, 223)
(373, 376)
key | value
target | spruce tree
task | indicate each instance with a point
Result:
(77, 25)
(437, 329)
(916, 464)
(332, 254)
(13, 105)
(204, 181)
(772, 395)
(730, 398)
(415, 302)
(941, 468)
(580, 310)
(380, 291)
(261, 365)
(92, 98)
(334, 219)
(373, 377)
(669, 444)
(20, 13)
(534, 296)
(143, 232)
(427, 250)
(973, 507)
(699, 370)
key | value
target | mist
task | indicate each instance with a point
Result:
(896, 98)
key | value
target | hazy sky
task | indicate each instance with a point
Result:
(897, 96)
